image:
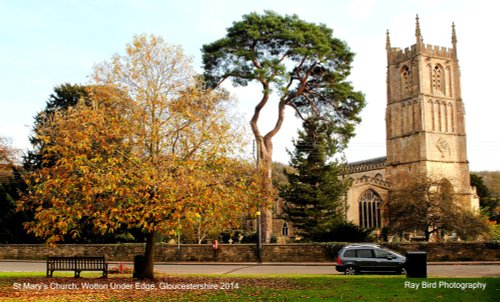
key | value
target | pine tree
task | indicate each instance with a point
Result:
(313, 198)
(297, 65)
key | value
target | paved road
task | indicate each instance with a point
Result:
(433, 270)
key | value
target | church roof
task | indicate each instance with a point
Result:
(367, 165)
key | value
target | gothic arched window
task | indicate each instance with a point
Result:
(405, 80)
(438, 78)
(369, 210)
(446, 187)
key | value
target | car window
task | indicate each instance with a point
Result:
(350, 253)
(364, 253)
(381, 253)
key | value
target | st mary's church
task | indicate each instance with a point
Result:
(425, 132)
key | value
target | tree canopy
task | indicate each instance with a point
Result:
(431, 207)
(302, 62)
(490, 205)
(147, 149)
(64, 97)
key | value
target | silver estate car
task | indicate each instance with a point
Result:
(369, 258)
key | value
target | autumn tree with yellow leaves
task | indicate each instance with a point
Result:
(150, 149)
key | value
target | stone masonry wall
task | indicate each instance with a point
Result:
(246, 252)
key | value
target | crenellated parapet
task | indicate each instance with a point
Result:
(397, 55)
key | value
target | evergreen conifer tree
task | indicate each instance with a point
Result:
(64, 97)
(313, 198)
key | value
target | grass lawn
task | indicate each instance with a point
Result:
(35, 287)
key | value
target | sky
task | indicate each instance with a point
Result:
(44, 44)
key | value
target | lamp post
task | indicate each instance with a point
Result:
(259, 220)
(259, 237)
(178, 240)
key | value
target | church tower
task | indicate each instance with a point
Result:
(425, 121)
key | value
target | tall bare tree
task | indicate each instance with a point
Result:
(431, 206)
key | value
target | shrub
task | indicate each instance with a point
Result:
(120, 269)
(344, 232)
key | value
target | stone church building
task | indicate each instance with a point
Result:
(425, 132)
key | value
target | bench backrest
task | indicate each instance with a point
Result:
(83, 263)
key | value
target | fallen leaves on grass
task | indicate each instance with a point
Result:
(127, 289)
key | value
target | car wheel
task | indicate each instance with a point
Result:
(350, 270)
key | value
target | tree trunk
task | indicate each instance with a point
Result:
(264, 157)
(149, 255)
(267, 224)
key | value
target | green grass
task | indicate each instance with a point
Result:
(359, 288)
(261, 288)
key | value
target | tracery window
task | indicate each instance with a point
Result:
(438, 78)
(406, 79)
(369, 210)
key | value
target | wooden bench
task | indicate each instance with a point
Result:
(77, 264)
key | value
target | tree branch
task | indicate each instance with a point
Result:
(279, 122)
(258, 109)
(296, 110)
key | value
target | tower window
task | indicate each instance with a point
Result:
(438, 79)
(369, 210)
(406, 80)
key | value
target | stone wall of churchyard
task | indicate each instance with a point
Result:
(457, 251)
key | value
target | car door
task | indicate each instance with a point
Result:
(385, 261)
(366, 260)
